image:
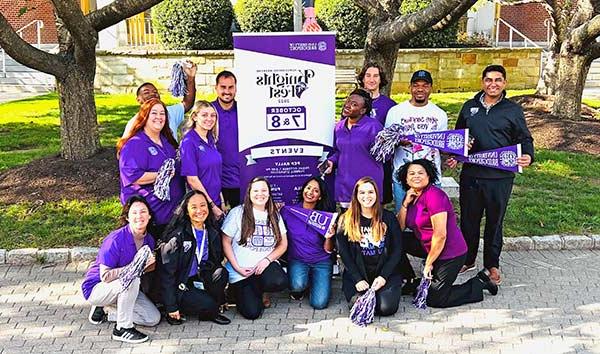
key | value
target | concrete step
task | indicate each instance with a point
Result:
(27, 80)
(26, 88)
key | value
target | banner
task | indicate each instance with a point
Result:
(286, 107)
(319, 220)
(504, 158)
(449, 141)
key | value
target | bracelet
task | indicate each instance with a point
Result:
(404, 206)
(268, 259)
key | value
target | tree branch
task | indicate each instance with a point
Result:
(587, 31)
(456, 14)
(594, 51)
(81, 31)
(28, 55)
(117, 11)
(401, 28)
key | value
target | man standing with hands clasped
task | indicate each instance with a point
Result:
(494, 122)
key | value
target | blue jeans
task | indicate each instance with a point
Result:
(320, 274)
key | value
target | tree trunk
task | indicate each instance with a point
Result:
(571, 74)
(78, 123)
(386, 56)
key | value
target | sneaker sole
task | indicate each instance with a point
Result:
(470, 269)
(132, 341)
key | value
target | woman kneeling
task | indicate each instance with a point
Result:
(427, 211)
(370, 246)
(254, 237)
(192, 278)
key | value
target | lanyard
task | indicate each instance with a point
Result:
(199, 252)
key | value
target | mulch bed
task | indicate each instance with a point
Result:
(53, 179)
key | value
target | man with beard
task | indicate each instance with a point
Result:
(228, 144)
(417, 115)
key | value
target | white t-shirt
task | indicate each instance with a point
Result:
(259, 245)
(176, 114)
(429, 118)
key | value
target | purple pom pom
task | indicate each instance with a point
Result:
(363, 310)
(386, 141)
(134, 269)
(178, 87)
(420, 300)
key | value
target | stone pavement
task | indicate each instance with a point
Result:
(549, 302)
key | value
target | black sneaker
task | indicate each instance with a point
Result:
(410, 287)
(296, 295)
(97, 315)
(488, 284)
(129, 335)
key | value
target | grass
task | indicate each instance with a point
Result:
(559, 194)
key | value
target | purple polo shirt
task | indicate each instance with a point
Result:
(305, 244)
(381, 105)
(140, 155)
(228, 145)
(117, 250)
(202, 159)
(352, 157)
(433, 200)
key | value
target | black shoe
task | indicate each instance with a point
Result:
(221, 320)
(173, 321)
(488, 284)
(129, 335)
(297, 295)
(410, 287)
(97, 315)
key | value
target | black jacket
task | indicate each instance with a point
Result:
(503, 125)
(352, 256)
(174, 267)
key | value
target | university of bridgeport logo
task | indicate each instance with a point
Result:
(152, 150)
(508, 158)
(455, 141)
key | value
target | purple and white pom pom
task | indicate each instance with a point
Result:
(420, 300)
(134, 269)
(165, 174)
(178, 86)
(386, 141)
(363, 310)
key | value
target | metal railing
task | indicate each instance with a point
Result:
(2, 62)
(140, 32)
(39, 25)
(511, 30)
(548, 26)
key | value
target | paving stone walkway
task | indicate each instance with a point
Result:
(549, 302)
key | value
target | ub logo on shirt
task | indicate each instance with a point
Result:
(187, 245)
(474, 111)
(368, 246)
(263, 238)
(201, 148)
(152, 150)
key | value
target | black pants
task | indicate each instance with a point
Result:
(442, 292)
(476, 196)
(248, 292)
(231, 196)
(205, 303)
(387, 298)
(387, 194)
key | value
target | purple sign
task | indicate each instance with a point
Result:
(320, 221)
(450, 141)
(504, 158)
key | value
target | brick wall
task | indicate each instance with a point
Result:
(527, 18)
(452, 69)
(42, 10)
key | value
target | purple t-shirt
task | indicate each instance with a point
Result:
(352, 157)
(381, 105)
(139, 155)
(228, 145)
(202, 250)
(305, 244)
(202, 159)
(117, 250)
(432, 201)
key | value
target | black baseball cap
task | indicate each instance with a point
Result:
(421, 75)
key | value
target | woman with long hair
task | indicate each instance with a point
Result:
(428, 212)
(201, 162)
(353, 136)
(254, 237)
(369, 242)
(102, 285)
(192, 277)
(147, 163)
(308, 251)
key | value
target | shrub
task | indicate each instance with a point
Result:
(475, 40)
(347, 19)
(265, 15)
(193, 24)
(428, 38)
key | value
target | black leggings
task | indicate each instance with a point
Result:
(248, 292)
(441, 292)
(205, 303)
(387, 298)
